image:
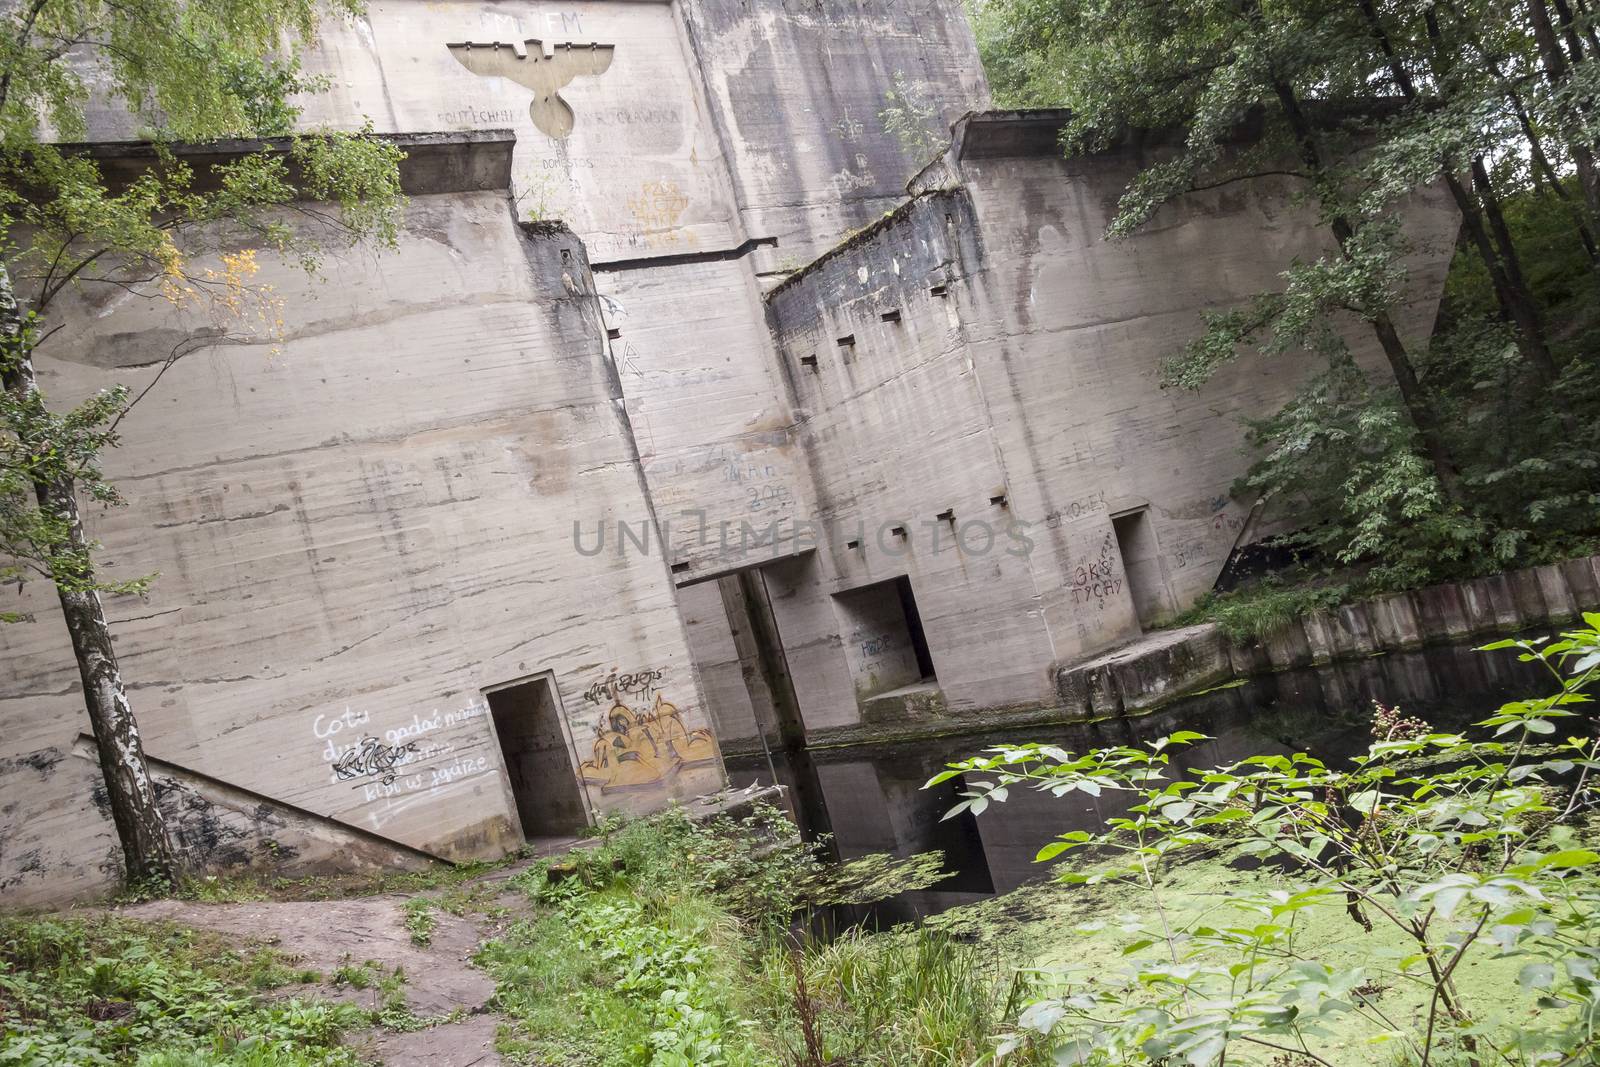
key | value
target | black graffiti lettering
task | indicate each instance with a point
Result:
(373, 759)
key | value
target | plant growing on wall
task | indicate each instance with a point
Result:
(192, 72)
(1445, 851)
(912, 119)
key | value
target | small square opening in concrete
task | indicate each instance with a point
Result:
(892, 315)
(809, 361)
(883, 637)
(938, 290)
(847, 341)
(538, 758)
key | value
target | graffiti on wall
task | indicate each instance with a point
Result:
(405, 766)
(373, 760)
(641, 741)
(1096, 580)
(658, 205)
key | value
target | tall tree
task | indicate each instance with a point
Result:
(1358, 105)
(189, 71)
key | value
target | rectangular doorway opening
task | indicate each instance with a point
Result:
(884, 640)
(1141, 566)
(527, 719)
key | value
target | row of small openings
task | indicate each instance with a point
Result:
(847, 343)
(948, 515)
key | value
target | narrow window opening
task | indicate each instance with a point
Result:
(809, 361)
(898, 531)
(538, 759)
(852, 544)
(938, 290)
(892, 315)
(566, 253)
(1000, 500)
(613, 333)
(919, 639)
(680, 568)
(847, 341)
(947, 515)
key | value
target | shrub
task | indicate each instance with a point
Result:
(1445, 850)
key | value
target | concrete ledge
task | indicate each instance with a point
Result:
(452, 162)
(1164, 665)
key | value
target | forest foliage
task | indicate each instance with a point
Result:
(1460, 451)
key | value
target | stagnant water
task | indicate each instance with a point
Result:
(871, 798)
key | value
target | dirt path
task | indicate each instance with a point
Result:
(327, 935)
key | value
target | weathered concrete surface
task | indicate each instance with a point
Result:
(1157, 668)
(976, 386)
(713, 424)
(713, 124)
(356, 534)
(796, 91)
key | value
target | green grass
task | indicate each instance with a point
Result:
(113, 991)
(669, 947)
(419, 920)
(1253, 611)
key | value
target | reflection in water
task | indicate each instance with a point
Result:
(871, 797)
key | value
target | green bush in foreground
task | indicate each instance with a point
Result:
(1445, 850)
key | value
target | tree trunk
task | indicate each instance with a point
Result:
(1542, 171)
(1589, 30)
(146, 848)
(1412, 395)
(1569, 31)
(1499, 256)
(1523, 308)
(1555, 72)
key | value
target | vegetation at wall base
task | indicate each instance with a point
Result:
(671, 946)
(80, 992)
(1461, 864)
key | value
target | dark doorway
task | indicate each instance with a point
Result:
(1142, 567)
(919, 640)
(527, 720)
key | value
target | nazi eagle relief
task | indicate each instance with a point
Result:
(527, 64)
(641, 741)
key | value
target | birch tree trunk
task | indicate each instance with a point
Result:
(146, 847)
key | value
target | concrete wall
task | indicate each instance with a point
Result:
(356, 532)
(796, 89)
(981, 369)
(1073, 332)
(713, 127)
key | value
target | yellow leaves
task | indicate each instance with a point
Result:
(226, 293)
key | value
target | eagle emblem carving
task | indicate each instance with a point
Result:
(526, 64)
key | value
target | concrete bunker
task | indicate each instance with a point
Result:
(538, 757)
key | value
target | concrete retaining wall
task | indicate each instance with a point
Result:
(1166, 665)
